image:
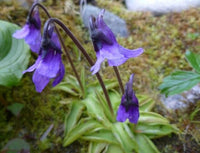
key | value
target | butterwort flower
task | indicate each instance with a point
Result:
(49, 63)
(106, 45)
(31, 31)
(129, 107)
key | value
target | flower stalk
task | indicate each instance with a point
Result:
(119, 79)
(41, 6)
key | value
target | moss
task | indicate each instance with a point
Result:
(40, 110)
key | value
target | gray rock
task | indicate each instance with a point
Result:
(115, 23)
(181, 102)
(161, 6)
(193, 95)
(174, 102)
(24, 3)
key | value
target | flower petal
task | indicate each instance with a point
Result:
(112, 54)
(36, 15)
(104, 28)
(34, 39)
(22, 33)
(55, 39)
(40, 81)
(121, 114)
(96, 67)
(111, 51)
(34, 66)
(117, 62)
(125, 55)
(60, 75)
(50, 65)
(130, 53)
(133, 114)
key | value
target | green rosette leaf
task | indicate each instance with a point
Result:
(14, 55)
(145, 144)
(194, 60)
(179, 81)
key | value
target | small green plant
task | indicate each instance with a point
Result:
(180, 81)
(15, 108)
(16, 145)
(90, 119)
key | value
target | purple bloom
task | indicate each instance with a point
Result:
(129, 107)
(49, 64)
(31, 31)
(106, 46)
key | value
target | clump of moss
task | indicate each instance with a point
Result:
(40, 110)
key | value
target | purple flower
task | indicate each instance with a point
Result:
(129, 107)
(49, 64)
(31, 31)
(106, 46)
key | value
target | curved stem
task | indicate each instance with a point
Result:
(61, 41)
(78, 44)
(70, 61)
(119, 79)
(40, 5)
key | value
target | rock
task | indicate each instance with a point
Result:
(193, 95)
(161, 6)
(69, 8)
(174, 102)
(115, 23)
(181, 102)
(24, 3)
